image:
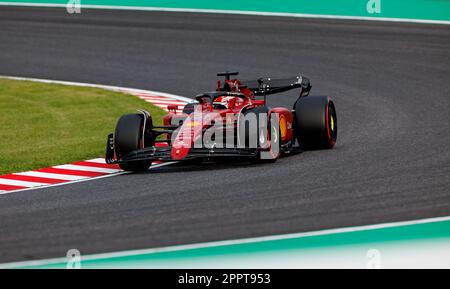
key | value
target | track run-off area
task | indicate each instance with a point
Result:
(84, 170)
(391, 163)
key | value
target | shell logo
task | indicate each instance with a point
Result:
(283, 127)
(192, 124)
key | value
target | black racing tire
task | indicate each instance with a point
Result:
(315, 122)
(128, 138)
(140, 166)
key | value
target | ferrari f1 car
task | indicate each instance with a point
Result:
(232, 121)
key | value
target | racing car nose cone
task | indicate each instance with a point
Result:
(179, 153)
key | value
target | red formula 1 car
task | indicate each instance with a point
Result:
(229, 122)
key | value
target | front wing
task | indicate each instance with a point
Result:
(163, 154)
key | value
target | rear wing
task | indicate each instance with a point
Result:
(267, 86)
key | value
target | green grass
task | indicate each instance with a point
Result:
(43, 125)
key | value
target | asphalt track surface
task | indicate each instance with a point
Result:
(390, 83)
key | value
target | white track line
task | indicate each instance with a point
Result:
(236, 12)
(87, 179)
(226, 243)
(20, 183)
(166, 102)
(163, 99)
(127, 90)
(160, 105)
(160, 99)
(87, 169)
(51, 176)
(97, 161)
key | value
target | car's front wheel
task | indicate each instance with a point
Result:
(129, 137)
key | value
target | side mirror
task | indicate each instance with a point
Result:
(172, 108)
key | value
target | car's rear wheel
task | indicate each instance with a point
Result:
(129, 137)
(315, 122)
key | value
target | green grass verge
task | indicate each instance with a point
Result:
(50, 124)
